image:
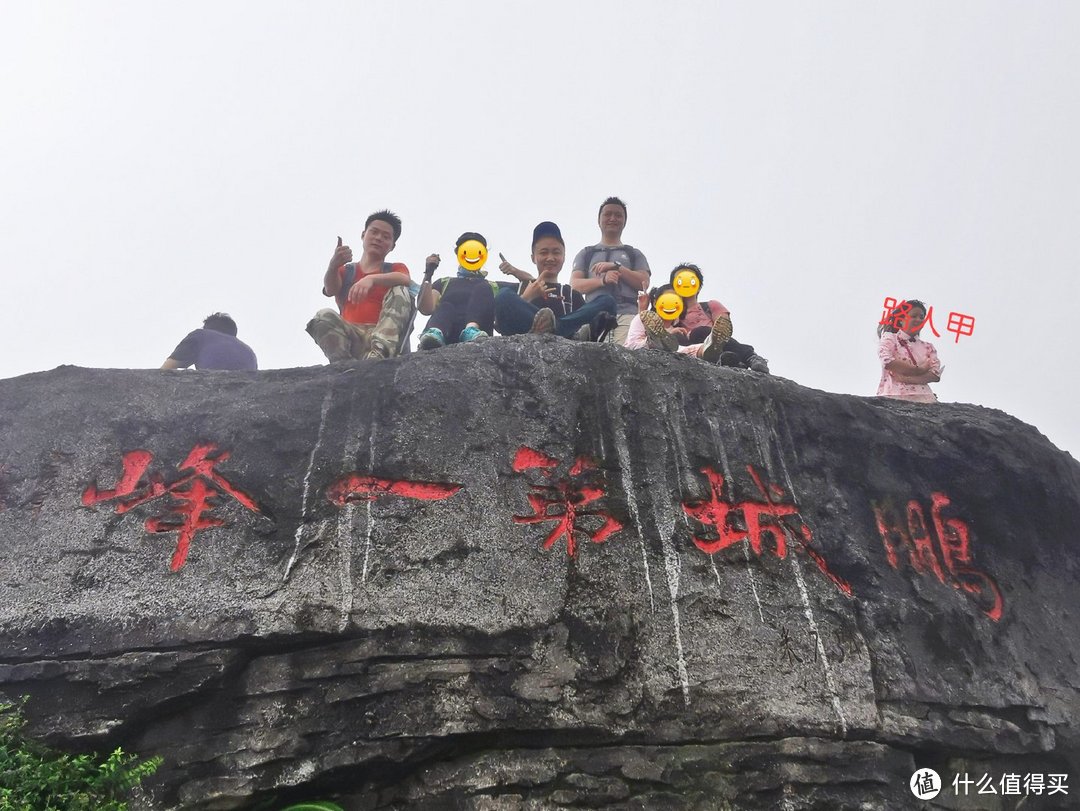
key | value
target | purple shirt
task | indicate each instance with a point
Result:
(210, 349)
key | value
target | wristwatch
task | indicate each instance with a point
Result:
(617, 264)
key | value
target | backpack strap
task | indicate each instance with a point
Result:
(348, 277)
(591, 257)
(707, 309)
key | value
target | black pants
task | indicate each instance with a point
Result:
(465, 300)
(742, 351)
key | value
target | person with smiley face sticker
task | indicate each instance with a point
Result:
(543, 305)
(653, 327)
(612, 267)
(699, 318)
(462, 308)
(687, 281)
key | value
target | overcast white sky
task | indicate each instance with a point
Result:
(159, 161)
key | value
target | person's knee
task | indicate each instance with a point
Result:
(398, 293)
(504, 302)
(398, 303)
(605, 301)
(324, 320)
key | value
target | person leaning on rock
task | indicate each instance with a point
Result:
(215, 346)
(612, 267)
(542, 304)
(372, 295)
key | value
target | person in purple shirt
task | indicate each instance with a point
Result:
(215, 346)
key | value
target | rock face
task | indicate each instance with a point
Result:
(532, 574)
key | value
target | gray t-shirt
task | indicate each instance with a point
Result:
(626, 255)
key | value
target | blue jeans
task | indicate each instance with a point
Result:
(514, 315)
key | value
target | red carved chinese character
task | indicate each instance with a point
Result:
(562, 499)
(193, 495)
(368, 488)
(964, 324)
(953, 539)
(761, 519)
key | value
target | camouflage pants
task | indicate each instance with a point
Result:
(342, 340)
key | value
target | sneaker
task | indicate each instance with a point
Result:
(471, 334)
(659, 337)
(758, 364)
(584, 333)
(720, 335)
(543, 321)
(431, 338)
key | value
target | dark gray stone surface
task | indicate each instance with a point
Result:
(417, 652)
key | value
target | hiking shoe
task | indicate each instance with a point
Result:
(543, 321)
(471, 334)
(720, 335)
(659, 337)
(729, 359)
(584, 333)
(378, 351)
(758, 364)
(431, 338)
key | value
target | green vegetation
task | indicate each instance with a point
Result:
(34, 777)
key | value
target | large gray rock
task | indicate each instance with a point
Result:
(378, 602)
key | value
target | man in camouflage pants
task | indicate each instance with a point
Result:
(372, 296)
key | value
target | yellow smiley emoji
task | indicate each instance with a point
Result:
(686, 283)
(472, 254)
(669, 306)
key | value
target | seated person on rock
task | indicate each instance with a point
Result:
(215, 346)
(650, 329)
(462, 308)
(612, 267)
(373, 298)
(699, 316)
(542, 304)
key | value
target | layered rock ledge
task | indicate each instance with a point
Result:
(531, 574)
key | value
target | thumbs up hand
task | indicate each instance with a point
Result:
(342, 255)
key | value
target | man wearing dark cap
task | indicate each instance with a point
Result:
(542, 304)
(462, 308)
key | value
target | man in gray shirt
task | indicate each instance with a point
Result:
(612, 267)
